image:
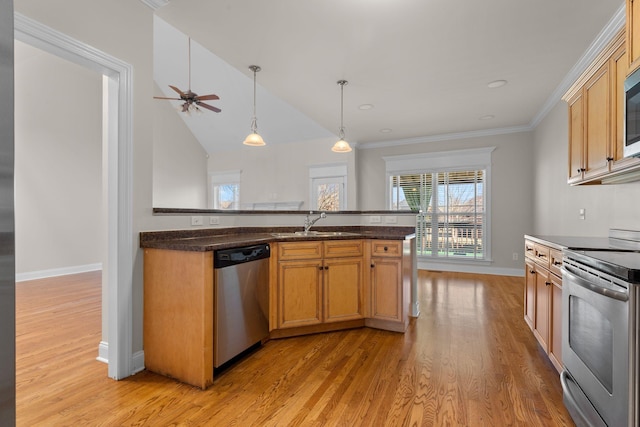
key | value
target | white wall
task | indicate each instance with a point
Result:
(58, 182)
(511, 190)
(556, 203)
(179, 161)
(280, 172)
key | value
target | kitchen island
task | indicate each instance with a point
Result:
(342, 277)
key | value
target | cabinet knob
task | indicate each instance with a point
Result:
(532, 271)
(609, 159)
(320, 268)
(326, 267)
(386, 249)
(372, 265)
(547, 283)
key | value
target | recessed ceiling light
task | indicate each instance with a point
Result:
(487, 117)
(366, 106)
(497, 83)
(385, 130)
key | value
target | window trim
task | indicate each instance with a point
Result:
(447, 161)
(328, 171)
(222, 178)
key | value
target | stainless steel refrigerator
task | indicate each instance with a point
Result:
(7, 229)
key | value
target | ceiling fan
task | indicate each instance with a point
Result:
(191, 99)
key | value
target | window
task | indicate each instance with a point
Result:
(450, 198)
(328, 187)
(224, 190)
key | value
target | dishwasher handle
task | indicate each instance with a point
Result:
(229, 257)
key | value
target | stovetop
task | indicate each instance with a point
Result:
(621, 257)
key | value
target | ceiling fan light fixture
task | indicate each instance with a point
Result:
(254, 140)
(341, 146)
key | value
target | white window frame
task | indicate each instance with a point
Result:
(335, 173)
(447, 161)
(217, 179)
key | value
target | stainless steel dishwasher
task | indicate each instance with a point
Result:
(241, 300)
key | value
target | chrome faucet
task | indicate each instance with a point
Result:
(308, 222)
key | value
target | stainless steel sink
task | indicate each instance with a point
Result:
(313, 233)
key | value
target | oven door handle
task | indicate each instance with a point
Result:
(607, 292)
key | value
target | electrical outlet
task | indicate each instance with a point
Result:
(374, 219)
(214, 220)
(196, 220)
(391, 219)
(515, 256)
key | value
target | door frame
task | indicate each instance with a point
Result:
(117, 146)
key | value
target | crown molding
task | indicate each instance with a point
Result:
(615, 24)
(155, 4)
(446, 137)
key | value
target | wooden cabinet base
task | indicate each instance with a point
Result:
(387, 325)
(314, 329)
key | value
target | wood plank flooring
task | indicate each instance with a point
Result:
(468, 360)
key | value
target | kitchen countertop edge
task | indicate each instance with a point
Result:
(216, 239)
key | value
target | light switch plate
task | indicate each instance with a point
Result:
(196, 220)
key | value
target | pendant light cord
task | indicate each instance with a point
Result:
(341, 132)
(254, 121)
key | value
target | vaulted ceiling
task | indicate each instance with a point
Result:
(422, 66)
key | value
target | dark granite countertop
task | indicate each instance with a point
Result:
(224, 238)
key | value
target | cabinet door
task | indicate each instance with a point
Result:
(386, 288)
(541, 319)
(555, 339)
(576, 137)
(633, 34)
(598, 120)
(343, 289)
(530, 293)
(299, 293)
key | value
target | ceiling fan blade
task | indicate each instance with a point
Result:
(206, 97)
(162, 97)
(177, 90)
(208, 107)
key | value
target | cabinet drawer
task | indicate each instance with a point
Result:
(542, 255)
(529, 249)
(390, 248)
(555, 262)
(342, 248)
(299, 250)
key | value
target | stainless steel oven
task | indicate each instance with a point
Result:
(599, 331)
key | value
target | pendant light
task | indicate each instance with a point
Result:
(341, 146)
(254, 139)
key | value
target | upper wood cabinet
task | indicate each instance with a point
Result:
(633, 34)
(596, 116)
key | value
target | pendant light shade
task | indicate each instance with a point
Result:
(253, 139)
(341, 146)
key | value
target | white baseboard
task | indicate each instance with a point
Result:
(55, 272)
(103, 352)
(466, 268)
(137, 360)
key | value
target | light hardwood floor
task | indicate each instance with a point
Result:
(468, 360)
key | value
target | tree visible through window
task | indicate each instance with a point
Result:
(451, 211)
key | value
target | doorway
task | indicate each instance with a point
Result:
(117, 278)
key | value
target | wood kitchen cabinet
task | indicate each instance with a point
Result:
(319, 282)
(596, 118)
(633, 34)
(596, 114)
(178, 315)
(543, 298)
(388, 291)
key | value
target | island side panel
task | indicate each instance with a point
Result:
(178, 315)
